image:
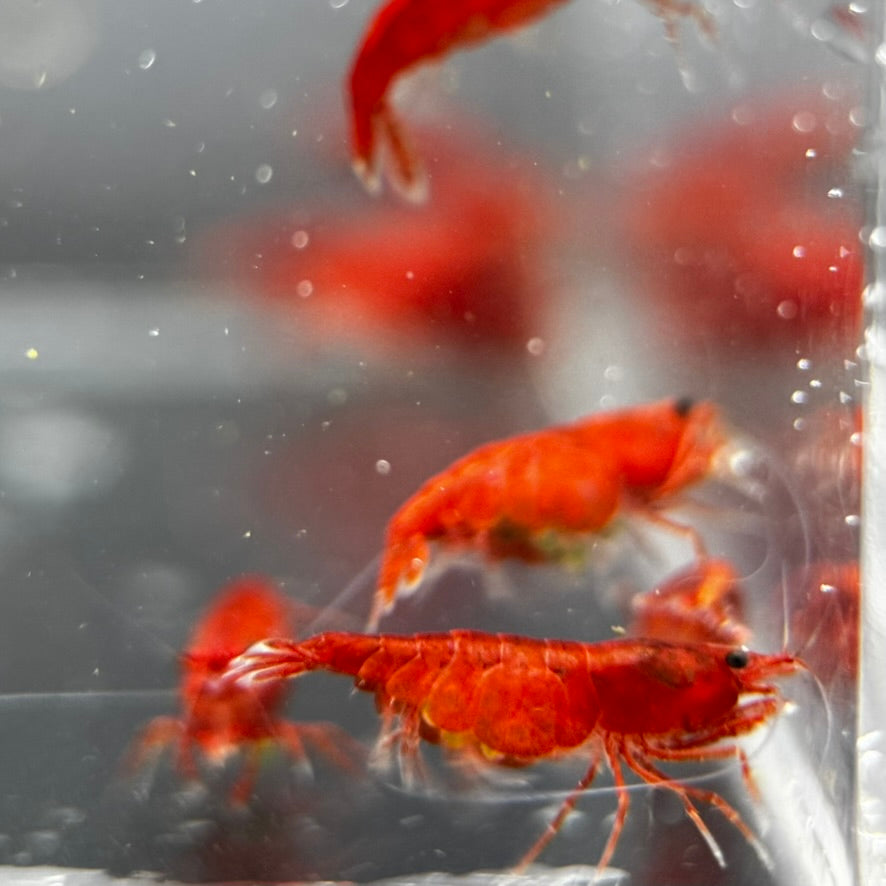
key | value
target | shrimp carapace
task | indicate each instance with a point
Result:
(538, 496)
(516, 700)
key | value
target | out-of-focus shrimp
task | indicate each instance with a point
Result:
(752, 226)
(406, 33)
(220, 718)
(516, 700)
(825, 622)
(397, 284)
(699, 604)
(534, 496)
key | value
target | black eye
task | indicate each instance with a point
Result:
(737, 658)
(683, 406)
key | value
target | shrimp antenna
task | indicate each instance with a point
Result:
(354, 588)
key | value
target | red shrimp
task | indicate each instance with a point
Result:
(406, 33)
(530, 497)
(825, 622)
(700, 604)
(221, 718)
(515, 700)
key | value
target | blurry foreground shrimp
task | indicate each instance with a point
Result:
(516, 700)
(221, 718)
(405, 33)
(534, 496)
(699, 604)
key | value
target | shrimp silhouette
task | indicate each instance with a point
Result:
(220, 718)
(699, 604)
(515, 700)
(534, 496)
(406, 33)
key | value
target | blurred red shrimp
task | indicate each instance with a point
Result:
(537, 496)
(825, 622)
(220, 718)
(392, 282)
(514, 701)
(699, 604)
(752, 226)
(406, 33)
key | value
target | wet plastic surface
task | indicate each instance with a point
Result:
(171, 419)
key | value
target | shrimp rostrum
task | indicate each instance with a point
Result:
(513, 700)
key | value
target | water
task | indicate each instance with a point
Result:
(220, 355)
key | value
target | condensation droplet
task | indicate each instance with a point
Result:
(383, 467)
(877, 238)
(146, 59)
(787, 309)
(804, 121)
(264, 173)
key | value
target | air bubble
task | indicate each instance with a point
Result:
(264, 173)
(305, 288)
(787, 309)
(300, 239)
(383, 467)
(804, 121)
(536, 346)
(268, 99)
(146, 59)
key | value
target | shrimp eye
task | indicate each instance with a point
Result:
(737, 658)
(683, 406)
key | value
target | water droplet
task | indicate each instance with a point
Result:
(804, 121)
(799, 398)
(880, 55)
(264, 173)
(300, 239)
(835, 193)
(853, 520)
(877, 239)
(268, 99)
(32, 353)
(811, 153)
(787, 309)
(304, 288)
(154, 331)
(146, 59)
(804, 363)
(799, 251)
(338, 4)
(536, 346)
(383, 467)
